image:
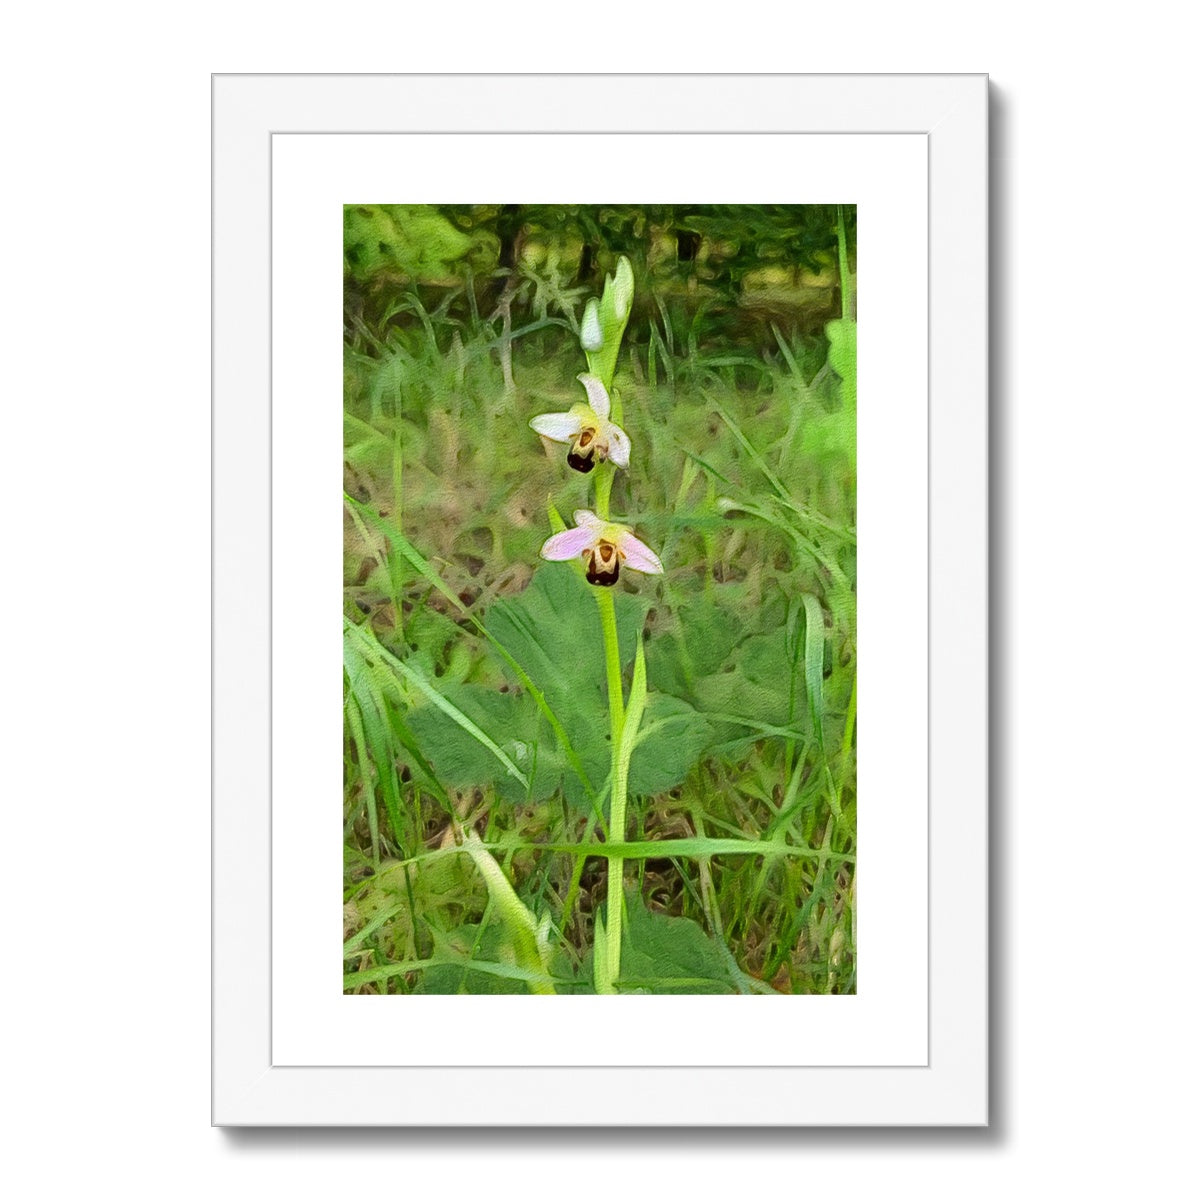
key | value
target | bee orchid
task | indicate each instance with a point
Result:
(592, 437)
(604, 546)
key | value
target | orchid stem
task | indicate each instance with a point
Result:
(608, 956)
(604, 483)
(607, 950)
(612, 663)
(608, 960)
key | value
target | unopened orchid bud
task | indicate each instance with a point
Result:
(623, 288)
(591, 336)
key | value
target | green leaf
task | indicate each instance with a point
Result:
(480, 971)
(629, 733)
(814, 664)
(696, 641)
(755, 681)
(445, 705)
(672, 738)
(662, 954)
(460, 760)
(553, 629)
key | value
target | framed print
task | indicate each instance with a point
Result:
(600, 613)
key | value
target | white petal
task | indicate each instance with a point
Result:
(568, 544)
(591, 336)
(639, 556)
(588, 519)
(597, 396)
(558, 427)
(618, 444)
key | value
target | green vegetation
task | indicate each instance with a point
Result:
(478, 735)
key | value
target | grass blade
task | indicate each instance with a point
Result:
(814, 665)
(355, 979)
(439, 701)
(529, 940)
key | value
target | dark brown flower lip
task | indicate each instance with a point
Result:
(603, 578)
(581, 462)
(602, 564)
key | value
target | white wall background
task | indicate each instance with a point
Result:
(104, 472)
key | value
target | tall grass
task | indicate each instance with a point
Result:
(471, 727)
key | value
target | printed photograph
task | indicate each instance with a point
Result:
(599, 626)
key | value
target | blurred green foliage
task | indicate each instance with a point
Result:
(414, 241)
(717, 270)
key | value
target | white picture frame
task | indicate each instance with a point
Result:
(947, 1083)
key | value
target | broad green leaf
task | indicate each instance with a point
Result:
(672, 738)
(553, 629)
(670, 954)
(480, 969)
(692, 643)
(435, 697)
(755, 682)
(511, 725)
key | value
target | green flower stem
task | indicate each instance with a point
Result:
(607, 948)
(612, 663)
(605, 474)
(608, 951)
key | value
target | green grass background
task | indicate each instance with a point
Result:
(474, 680)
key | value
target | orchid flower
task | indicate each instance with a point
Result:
(604, 545)
(587, 429)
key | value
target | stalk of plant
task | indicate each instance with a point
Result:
(598, 443)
